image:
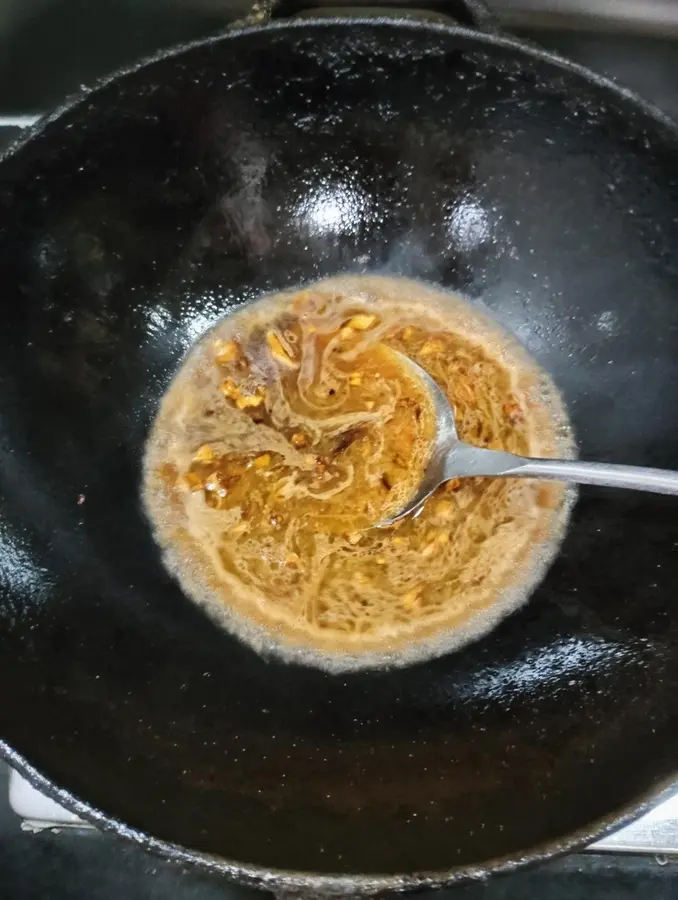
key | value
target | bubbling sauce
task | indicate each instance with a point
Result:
(292, 429)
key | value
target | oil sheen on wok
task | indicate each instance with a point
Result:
(291, 430)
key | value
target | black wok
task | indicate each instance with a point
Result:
(177, 190)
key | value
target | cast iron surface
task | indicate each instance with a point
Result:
(142, 213)
(72, 865)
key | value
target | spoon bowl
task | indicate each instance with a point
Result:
(451, 457)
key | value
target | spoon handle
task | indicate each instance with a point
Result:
(635, 478)
(466, 460)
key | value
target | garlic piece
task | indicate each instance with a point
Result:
(279, 352)
(362, 321)
(229, 389)
(432, 346)
(204, 454)
(226, 352)
(245, 401)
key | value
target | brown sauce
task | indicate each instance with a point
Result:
(292, 429)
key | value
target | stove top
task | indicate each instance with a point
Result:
(48, 48)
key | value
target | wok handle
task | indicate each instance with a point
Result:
(472, 13)
(635, 478)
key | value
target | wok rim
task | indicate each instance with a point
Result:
(299, 882)
(330, 885)
(491, 38)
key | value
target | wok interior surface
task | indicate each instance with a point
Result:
(258, 162)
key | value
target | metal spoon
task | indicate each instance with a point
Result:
(452, 458)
